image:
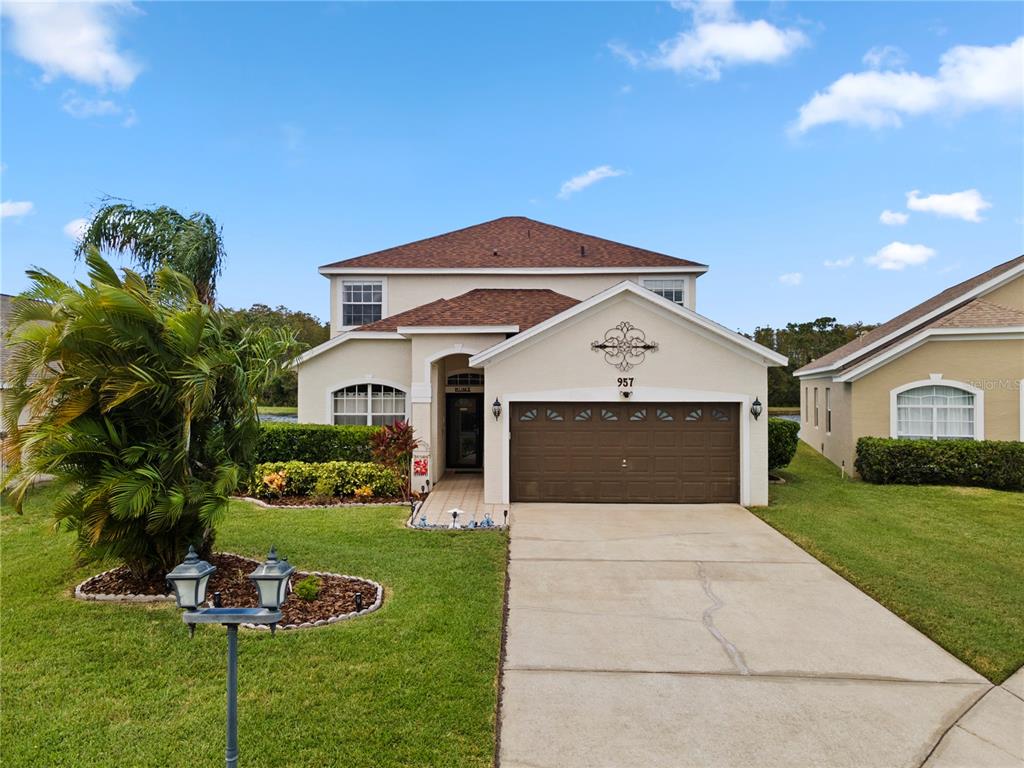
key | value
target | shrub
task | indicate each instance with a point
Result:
(783, 436)
(314, 442)
(308, 588)
(329, 479)
(393, 447)
(986, 463)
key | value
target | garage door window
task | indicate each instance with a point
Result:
(583, 414)
(607, 415)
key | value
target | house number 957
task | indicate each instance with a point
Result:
(625, 381)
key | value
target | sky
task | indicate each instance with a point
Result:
(825, 159)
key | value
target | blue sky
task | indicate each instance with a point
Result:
(763, 139)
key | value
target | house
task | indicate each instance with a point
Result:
(951, 367)
(561, 366)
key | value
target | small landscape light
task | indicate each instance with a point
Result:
(496, 409)
(271, 580)
(756, 408)
(359, 601)
(190, 579)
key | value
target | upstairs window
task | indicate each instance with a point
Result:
(673, 290)
(362, 301)
(369, 404)
(935, 413)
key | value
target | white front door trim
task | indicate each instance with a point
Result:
(612, 395)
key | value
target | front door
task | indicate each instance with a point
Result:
(465, 430)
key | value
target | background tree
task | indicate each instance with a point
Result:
(801, 343)
(141, 400)
(309, 331)
(160, 237)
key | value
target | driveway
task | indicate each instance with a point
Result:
(696, 635)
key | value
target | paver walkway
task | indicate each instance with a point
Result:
(673, 635)
(463, 491)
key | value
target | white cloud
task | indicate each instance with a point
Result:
(969, 77)
(966, 205)
(584, 180)
(15, 210)
(839, 263)
(75, 40)
(76, 228)
(893, 218)
(718, 39)
(885, 57)
(897, 256)
(791, 278)
(82, 107)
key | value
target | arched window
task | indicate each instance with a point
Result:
(375, 404)
(935, 412)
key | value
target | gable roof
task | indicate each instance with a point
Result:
(747, 346)
(513, 242)
(927, 312)
(520, 307)
(980, 314)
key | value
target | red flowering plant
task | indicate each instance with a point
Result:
(393, 447)
(419, 466)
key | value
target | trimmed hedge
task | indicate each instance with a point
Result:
(328, 479)
(986, 463)
(783, 435)
(314, 442)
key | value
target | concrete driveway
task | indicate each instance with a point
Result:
(696, 635)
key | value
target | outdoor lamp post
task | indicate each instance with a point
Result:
(190, 580)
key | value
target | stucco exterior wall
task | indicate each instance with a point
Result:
(996, 367)
(384, 361)
(1010, 295)
(837, 444)
(407, 291)
(559, 365)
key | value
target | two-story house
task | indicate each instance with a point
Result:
(563, 366)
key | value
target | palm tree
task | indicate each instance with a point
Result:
(160, 237)
(141, 400)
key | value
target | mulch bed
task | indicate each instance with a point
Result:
(330, 501)
(337, 593)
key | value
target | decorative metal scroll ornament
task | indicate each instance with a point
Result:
(624, 346)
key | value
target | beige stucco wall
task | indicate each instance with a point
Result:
(837, 444)
(1010, 295)
(687, 366)
(996, 367)
(379, 360)
(407, 291)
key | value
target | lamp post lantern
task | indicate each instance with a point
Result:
(190, 579)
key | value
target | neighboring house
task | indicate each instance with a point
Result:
(563, 366)
(949, 368)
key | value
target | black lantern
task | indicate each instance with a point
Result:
(756, 408)
(189, 580)
(496, 409)
(272, 581)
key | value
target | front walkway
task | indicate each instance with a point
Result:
(463, 491)
(672, 635)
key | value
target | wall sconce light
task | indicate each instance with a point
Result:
(756, 408)
(496, 409)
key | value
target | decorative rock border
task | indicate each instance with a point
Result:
(118, 598)
(411, 524)
(266, 505)
(375, 605)
(377, 602)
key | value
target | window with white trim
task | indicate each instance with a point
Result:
(815, 407)
(672, 289)
(935, 412)
(370, 404)
(828, 410)
(362, 301)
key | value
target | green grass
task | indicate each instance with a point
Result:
(414, 684)
(950, 561)
(278, 410)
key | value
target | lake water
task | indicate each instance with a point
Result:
(289, 418)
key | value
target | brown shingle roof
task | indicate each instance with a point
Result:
(980, 314)
(524, 307)
(906, 321)
(511, 242)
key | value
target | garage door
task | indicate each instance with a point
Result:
(625, 452)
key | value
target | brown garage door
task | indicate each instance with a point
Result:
(625, 452)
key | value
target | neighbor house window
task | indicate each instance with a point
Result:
(372, 404)
(807, 403)
(361, 301)
(815, 406)
(673, 290)
(935, 412)
(828, 410)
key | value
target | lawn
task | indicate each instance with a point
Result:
(278, 410)
(414, 684)
(783, 410)
(950, 561)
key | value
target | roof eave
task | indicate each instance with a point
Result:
(696, 269)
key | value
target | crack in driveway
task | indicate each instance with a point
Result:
(709, 622)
